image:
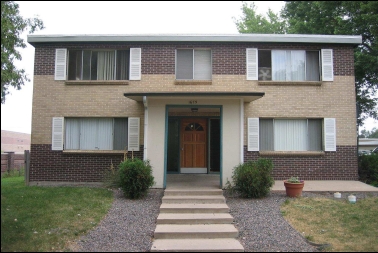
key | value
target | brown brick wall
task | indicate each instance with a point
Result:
(48, 165)
(159, 58)
(340, 165)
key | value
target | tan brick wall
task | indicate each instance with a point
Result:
(331, 99)
(55, 99)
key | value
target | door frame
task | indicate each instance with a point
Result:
(167, 107)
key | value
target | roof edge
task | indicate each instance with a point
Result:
(298, 38)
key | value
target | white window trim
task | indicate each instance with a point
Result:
(328, 139)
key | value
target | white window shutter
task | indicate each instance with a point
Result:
(60, 63)
(327, 65)
(329, 134)
(253, 134)
(133, 130)
(252, 62)
(57, 133)
(135, 63)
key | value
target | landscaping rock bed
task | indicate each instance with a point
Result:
(130, 224)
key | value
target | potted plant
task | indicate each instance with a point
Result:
(294, 187)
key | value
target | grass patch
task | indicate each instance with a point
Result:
(44, 219)
(347, 227)
(14, 173)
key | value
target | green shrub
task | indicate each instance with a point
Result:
(135, 177)
(368, 169)
(253, 179)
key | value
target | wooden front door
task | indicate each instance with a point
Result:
(193, 146)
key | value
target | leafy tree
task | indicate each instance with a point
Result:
(251, 22)
(334, 18)
(344, 18)
(12, 26)
(369, 134)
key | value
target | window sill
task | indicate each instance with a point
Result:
(193, 82)
(114, 152)
(291, 153)
(289, 83)
(97, 82)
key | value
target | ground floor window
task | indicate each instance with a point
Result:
(290, 134)
(96, 134)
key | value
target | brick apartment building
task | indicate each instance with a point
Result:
(193, 104)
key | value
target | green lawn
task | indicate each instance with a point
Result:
(43, 219)
(347, 227)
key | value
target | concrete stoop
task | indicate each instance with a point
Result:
(195, 221)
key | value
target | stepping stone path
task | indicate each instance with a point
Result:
(195, 220)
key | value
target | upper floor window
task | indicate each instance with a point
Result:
(193, 64)
(289, 65)
(98, 64)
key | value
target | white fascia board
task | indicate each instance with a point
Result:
(291, 38)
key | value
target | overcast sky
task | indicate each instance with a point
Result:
(124, 17)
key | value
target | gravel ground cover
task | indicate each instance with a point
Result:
(128, 227)
(130, 224)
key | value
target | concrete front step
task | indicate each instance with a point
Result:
(188, 192)
(194, 208)
(197, 245)
(194, 218)
(200, 231)
(196, 199)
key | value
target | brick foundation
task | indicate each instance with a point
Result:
(49, 165)
(340, 165)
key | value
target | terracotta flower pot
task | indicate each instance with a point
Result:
(294, 189)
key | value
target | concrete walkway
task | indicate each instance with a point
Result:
(329, 186)
(178, 181)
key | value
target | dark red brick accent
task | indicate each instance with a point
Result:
(159, 57)
(49, 165)
(339, 165)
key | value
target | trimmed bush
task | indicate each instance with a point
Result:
(253, 179)
(135, 177)
(368, 169)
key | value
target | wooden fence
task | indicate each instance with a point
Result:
(12, 161)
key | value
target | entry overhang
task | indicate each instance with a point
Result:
(247, 96)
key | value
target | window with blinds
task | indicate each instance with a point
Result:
(193, 64)
(96, 133)
(98, 65)
(290, 134)
(289, 65)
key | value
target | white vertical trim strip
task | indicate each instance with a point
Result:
(252, 63)
(253, 134)
(327, 65)
(60, 63)
(57, 133)
(242, 130)
(133, 131)
(145, 102)
(135, 63)
(329, 134)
